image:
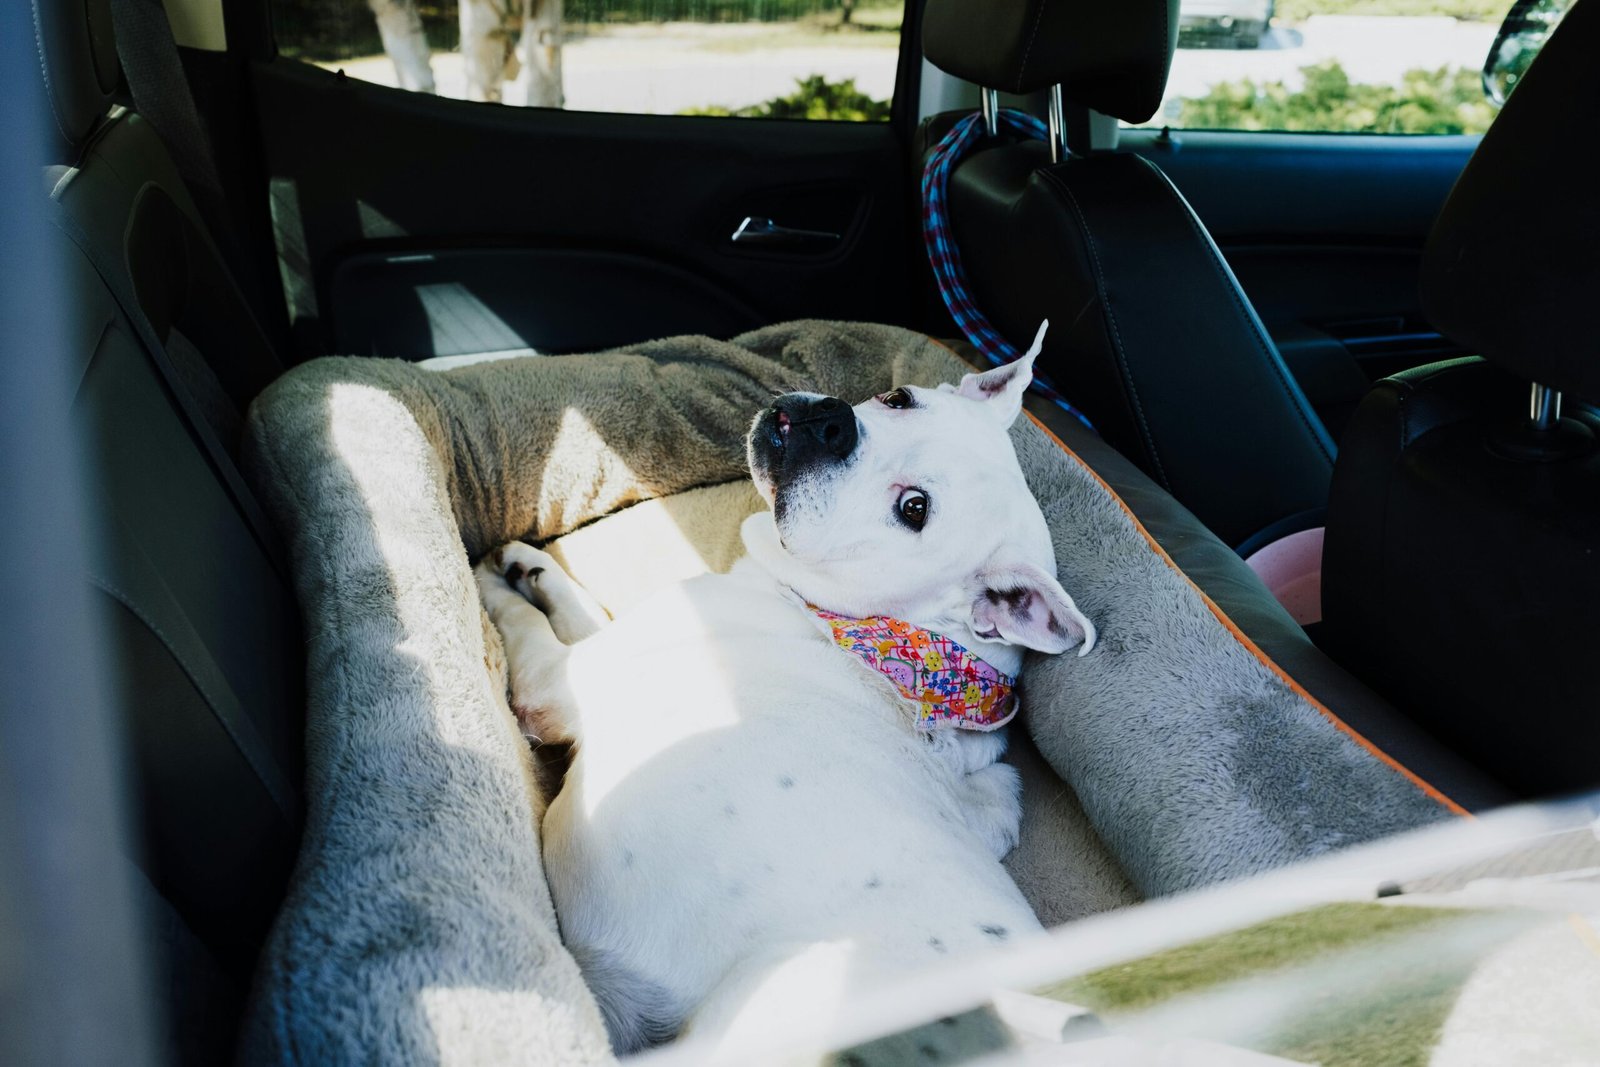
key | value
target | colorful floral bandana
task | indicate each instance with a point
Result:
(950, 685)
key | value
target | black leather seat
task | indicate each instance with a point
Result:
(1151, 335)
(200, 620)
(1461, 573)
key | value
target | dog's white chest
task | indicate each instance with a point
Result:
(723, 674)
(750, 786)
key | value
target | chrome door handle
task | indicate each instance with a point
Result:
(764, 233)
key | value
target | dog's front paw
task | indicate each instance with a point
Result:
(528, 570)
(493, 588)
(536, 577)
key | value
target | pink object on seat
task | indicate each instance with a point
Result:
(1291, 567)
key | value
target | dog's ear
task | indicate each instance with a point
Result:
(1021, 604)
(1003, 387)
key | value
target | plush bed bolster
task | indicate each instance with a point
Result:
(1249, 606)
(418, 926)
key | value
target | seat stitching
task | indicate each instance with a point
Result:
(1215, 259)
(1028, 51)
(1116, 333)
(44, 67)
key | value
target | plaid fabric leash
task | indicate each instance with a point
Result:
(946, 258)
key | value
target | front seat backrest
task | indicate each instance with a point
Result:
(1150, 334)
(1461, 569)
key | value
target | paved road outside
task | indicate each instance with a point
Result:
(1533, 1001)
(666, 69)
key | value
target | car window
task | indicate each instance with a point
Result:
(791, 59)
(1347, 66)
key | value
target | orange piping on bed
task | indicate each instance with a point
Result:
(1254, 649)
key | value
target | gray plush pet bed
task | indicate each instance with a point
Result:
(418, 927)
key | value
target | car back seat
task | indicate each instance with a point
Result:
(200, 619)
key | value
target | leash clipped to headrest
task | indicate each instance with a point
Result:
(946, 258)
(950, 685)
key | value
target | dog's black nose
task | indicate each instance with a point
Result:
(832, 423)
(816, 427)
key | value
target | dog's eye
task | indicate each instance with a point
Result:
(897, 398)
(913, 508)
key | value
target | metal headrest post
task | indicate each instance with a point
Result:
(991, 112)
(1545, 437)
(1058, 126)
(1544, 407)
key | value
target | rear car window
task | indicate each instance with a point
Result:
(789, 59)
(1342, 66)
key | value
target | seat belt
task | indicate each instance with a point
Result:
(120, 287)
(161, 96)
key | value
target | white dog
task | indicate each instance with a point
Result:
(763, 813)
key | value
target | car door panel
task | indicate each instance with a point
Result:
(572, 230)
(445, 301)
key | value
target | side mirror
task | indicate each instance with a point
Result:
(1527, 26)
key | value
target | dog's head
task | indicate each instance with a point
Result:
(913, 505)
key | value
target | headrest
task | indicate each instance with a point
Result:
(1111, 57)
(79, 51)
(1512, 266)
